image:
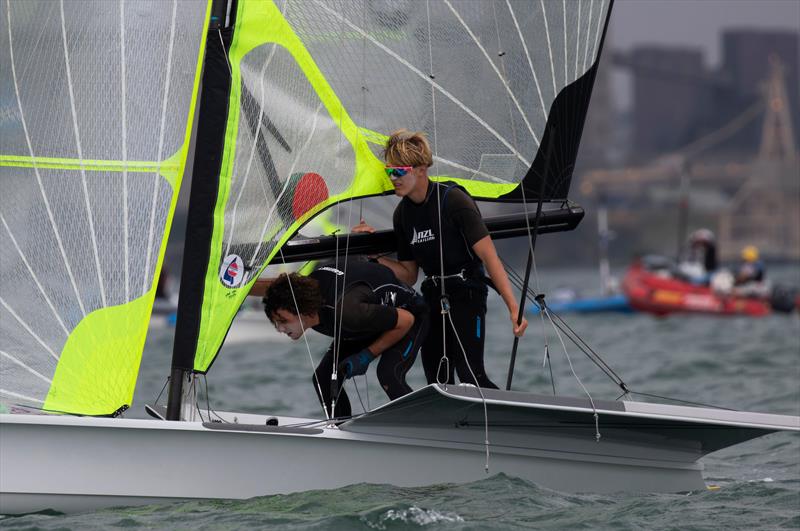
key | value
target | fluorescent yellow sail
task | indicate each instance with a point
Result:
(317, 86)
(95, 131)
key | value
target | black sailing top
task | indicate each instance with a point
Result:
(359, 299)
(417, 228)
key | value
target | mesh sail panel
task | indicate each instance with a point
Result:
(317, 86)
(95, 106)
(480, 78)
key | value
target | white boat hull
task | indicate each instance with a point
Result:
(73, 464)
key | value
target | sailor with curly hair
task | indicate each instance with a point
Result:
(367, 311)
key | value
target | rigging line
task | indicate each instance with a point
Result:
(338, 337)
(564, 327)
(338, 306)
(225, 52)
(208, 400)
(432, 82)
(496, 70)
(433, 92)
(600, 20)
(549, 48)
(166, 383)
(358, 394)
(253, 146)
(680, 401)
(571, 334)
(474, 171)
(532, 234)
(571, 368)
(364, 91)
(124, 109)
(162, 127)
(527, 55)
(588, 30)
(28, 328)
(17, 395)
(300, 151)
(516, 280)
(208, 404)
(33, 276)
(305, 339)
(564, 13)
(477, 386)
(578, 37)
(79, 147)
(501, 54)
(578, 341)
(445, 306)
(35, 166)
(26, 367)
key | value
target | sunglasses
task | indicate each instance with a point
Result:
(396, 172)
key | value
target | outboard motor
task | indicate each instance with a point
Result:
(784, 299)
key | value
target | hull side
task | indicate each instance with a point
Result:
(73, 465)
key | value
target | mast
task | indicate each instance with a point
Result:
(209, 141)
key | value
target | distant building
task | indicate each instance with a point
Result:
(670, 98)
(677, 99)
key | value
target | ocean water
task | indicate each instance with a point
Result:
(743, 363)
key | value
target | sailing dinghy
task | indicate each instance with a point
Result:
(287, 104)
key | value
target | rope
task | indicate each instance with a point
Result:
(571, 368)
(308, 347)
(480, 391)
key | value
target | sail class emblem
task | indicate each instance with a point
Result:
(422, 236)
(231, 274)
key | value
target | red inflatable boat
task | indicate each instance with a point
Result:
(659, 293)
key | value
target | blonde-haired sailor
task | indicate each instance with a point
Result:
(440, 229)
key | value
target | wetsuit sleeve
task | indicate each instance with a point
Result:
(464, 213)
(404, 253)
(362, 315)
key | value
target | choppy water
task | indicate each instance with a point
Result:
(751, 364)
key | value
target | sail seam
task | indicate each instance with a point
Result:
(427, 78)
(124, 98)
(597, 31)
(496, 71)
(35, 168)
(588, 30)
(549, 48)
(164, 101)
(528, 56)
(28, 328)
(24, 366)
(564, 16)
(79, 147)
(33, 275)
(577, 38)
(17, 395)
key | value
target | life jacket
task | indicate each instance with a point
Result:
(335, 282)
(419, 225)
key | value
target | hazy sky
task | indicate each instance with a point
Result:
(696, 22)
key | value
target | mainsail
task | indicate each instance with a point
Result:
(312, 89)
(96, 104)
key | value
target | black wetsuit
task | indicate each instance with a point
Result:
(417, 230)
(360, 301)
